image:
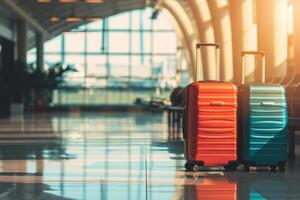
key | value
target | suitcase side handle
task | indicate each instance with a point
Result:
(263, 69)
(217, 103)
(268, 103)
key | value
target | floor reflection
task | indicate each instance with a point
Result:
(210, 186)
(27, 191)
(130, 156)
(266, 185)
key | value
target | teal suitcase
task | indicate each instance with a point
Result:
(262, 124)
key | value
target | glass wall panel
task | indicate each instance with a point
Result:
(162, 23)
(119, 66)
(94, 41)
(96, 65)
(119, 42)
(51, 59)
(138, 53)
(147, 22)
(74, 42)
(31, 58)
(164, 42)
(78, 62)
(97, 25)
(136, 19)
(120, 21)
(54, 45)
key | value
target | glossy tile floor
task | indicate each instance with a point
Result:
(117, 156)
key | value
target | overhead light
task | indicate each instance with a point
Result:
(44, 1)
(55, 19)
(74, 19)
(91, 19)
(93, 1)
(70, 1)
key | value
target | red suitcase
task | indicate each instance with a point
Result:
(210, 122)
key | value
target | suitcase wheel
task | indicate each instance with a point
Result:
(246, 167)
(281, 168)
(195, 168)
(231, 166)
(273, 168)
(189, 166)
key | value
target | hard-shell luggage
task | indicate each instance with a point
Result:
(262, 123)
(210, 124)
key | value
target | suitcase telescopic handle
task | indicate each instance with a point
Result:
(263, 70)
(218, 54)
(208, 45)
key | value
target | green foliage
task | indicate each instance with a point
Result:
(27, 83)
(43, 83)
(48, 80)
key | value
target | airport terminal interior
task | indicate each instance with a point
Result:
(95, 99)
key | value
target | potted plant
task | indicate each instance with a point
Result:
(43, 83)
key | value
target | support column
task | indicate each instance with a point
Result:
(221, 22)
(188, 35)
(40, 50)
(296, 68)
(272, 24)
(204, 23)
(22, 29)
(244, 37)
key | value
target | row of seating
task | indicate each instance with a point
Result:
(291, 82)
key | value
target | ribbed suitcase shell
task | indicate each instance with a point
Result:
(211, 124)
(263, 124)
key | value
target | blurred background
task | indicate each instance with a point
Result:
(63, 53)
(92, 94)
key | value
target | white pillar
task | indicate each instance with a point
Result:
(272, 29)
(296, 68)
(244, 37)
(220, 13)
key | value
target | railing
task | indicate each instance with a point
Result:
(104, 96)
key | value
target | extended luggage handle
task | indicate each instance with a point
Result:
(263, 70)
(218, 54)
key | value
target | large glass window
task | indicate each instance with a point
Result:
(119, 42)
(74, 42)
(94, 42)
(54, 45)
(123, 51)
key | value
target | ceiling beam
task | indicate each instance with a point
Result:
(22, 14)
